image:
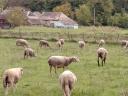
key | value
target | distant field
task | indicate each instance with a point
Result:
(81, 29)
(110, 80)
(89, 34)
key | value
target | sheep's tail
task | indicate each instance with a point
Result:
(66, 90)
(5, 81)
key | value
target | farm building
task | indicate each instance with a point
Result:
(51, 19)
(3, 22)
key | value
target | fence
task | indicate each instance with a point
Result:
(93, 37)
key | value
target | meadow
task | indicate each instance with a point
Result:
(109, 80)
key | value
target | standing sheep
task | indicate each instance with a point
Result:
(11, 77)
(102, 54)
(126, 46)
(29, 52)
(44, 43)
(67, 80)
(81, 44)
(124, 43)
(101, 42)
(22, 42)
(61, 61)
(60, 43)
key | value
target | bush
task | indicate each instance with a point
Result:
(16, 16)
(83, 15)
(123, 21)
(119, 20)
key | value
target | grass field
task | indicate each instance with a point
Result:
(81, 29)
(110, 80)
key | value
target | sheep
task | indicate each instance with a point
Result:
(22, 42)
(67, 80)
(29, 52)
(60, 43)
(44, 43)
(102, 54)
(11, 77)
(81, 44)
(124, 43)
(61, 61)
(101, 42)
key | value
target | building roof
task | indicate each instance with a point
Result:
(2, 16)
(58, 16)
(34, 21)
(36, 18)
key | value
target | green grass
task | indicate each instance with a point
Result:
(81, 29)
(110, 80)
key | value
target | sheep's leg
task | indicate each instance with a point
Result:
(55, 69)
(24, 55)
(98, 61)
(102, 62)
(66, 90)
(50, 69)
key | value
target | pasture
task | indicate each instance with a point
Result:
(110, 80)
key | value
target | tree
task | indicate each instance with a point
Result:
(65, 8)
(103, 10)
(17, 16)
(2, 4)
(83, 15)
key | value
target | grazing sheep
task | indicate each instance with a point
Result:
(62, 41)
(58, 43)
(67, 80)
(22, 42)
(28, 52)
(44, 43)
(124, 43)
(126, 46)
(11, 77)
(81, 44)
(61, 61)
(101, 42)
(102, 54)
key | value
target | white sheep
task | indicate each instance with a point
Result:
(29, 52)
(44, 43)
(61, 61)
(102, 54)
(11, 77)
(126, 46)
(22, 42)
(58, 43)
(101, 42)
(81, 44)
(67, 80)
(62, 41)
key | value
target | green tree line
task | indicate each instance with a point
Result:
(86, 12)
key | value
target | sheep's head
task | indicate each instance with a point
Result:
(75, 59)
(20, 71)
